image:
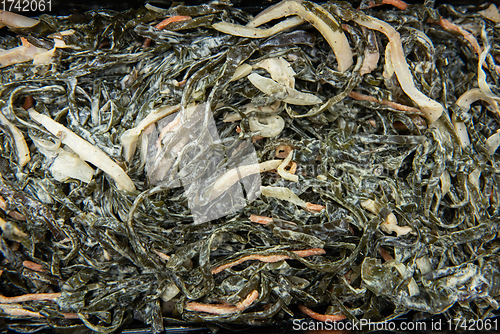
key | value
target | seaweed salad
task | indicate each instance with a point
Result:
(200, 165)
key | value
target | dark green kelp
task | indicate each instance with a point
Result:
(368, 176)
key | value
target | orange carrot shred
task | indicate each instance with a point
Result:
(320, 317)
(165, 23)
(260, 219)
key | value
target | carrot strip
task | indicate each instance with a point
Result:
(268, 258)
(165, 23)
(394, 105)
(399, 4)
(447, 25)
(310, 252)
(245, 303)
(260, 219)
(320, 317)
(223, 308)
(18, 310)
(29, 297)
(162, 255)
(314, 207)
(34, 266)
(211, 308)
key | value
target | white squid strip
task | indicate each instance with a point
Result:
(283, 194)
(280, 71)
(23, 153)
(335, 38)
(13, 20)
(249, 32)
(481, 75)
(21, 54)
(130, 137)
(85, 150)
(284, 173)
(431, 108)
(232, 176)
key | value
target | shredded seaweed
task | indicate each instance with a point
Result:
(187, 174)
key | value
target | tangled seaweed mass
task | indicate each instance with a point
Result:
(350, 155)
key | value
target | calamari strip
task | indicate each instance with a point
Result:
(85, 150)
(320, 18)
(13, 20)
(491, 13)
(473, 95)
(23, 153)
(268, 258)
(130, 137)
(284, 173)
(391, 225)
(431, 108)
(371, 55)
(481, 75)
(241, 72)
(288, 195)
(29, 297)
(223, 308)
(20, 54)
(252, 32)
(320, 317)
(282, 92)
(234, 175)
(281, 71)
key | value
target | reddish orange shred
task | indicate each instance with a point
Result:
(162, 255)
(399, 4)
(260, 219)
(447, 25)
(223, 308)
(165, 23)
(34, 266)
(268, 258)
(314, 207)
(320, 317)
(397, 106)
